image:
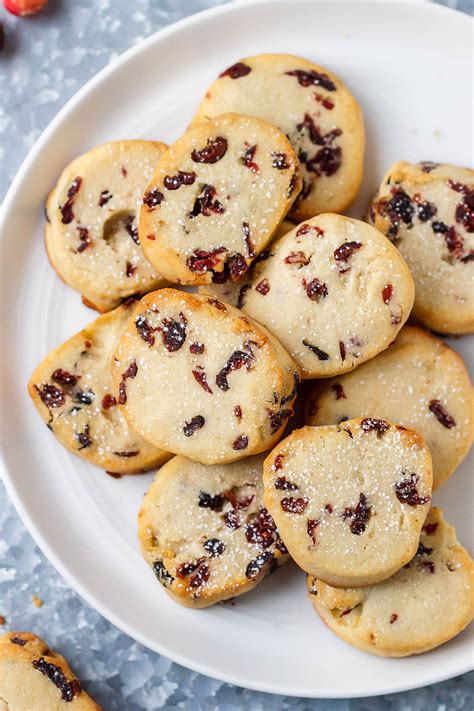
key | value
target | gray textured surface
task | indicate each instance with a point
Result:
(46, 60)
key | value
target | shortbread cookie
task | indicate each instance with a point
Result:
(418, 382)
(91, 223)
(205, 532)
(427, 210)
(32, 678)
(217, 197)
(334, 292)
(313, 108)
(428, 602)
(195, 376)
(73, 392)
(233, 292)
(349, 500)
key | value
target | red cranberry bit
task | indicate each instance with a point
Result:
(342, 350)
(188, 567)
(297, 258)
(131, 373)
(326, 161)
(173, 182)
(124, 171)
(238, 412)
(130, 269)
(262, 562)
(395, 319)
(423, 550)
(104, 198)
(439, 227)
(69, 689)
(214, 547)
(359, 515)
(196, 348)
(311, 528)
(145, 329)
(241, 442)
(329, 508)
(108, 401)
(387, 293)
(312, 78)
(279, 161)
(250, 247)
(248, 160)
(153, 198)
(84, 438)
(292, 505)
(67, 214)
(236, 71)
(370, 424)
(51, 395)
(63, 377)
(201, 576)
(407, 492)
(237, 267)
(322, 355)
(85, 398)
(151, 237)
(261, 530)
(201, 378)
(344, 252)
(214, 151)
(241, 298)
(203, 205)
(207, 501)
(427, 166)
(292, 184)
(201, 261)
(18, 640)
(315, 135)
(232, 520)
(127, 455)
(454, 242)
(393, 618)
(277, 418)
(441, 415)
(217, 304)
(162, 574)
(327, 103)
(339, 390)
(278, 463)
(131, 228)
(465, 211)
(196, 423)
(173, 333)
(425, 211)
(235, 362)
(398, 209)
(315, 289)
(84, 238)
(430, 528)
(263, 287)
(282, 483)
(305, 228)
(428, 566)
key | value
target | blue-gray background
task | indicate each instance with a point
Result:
(45, 61)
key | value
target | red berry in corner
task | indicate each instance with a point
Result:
(24, 7)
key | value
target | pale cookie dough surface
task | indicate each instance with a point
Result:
(313, 107)
(205, 531)
(429, 601)
(427, 210)
(209, 209)
(91, 229)
(418, 382)
(195, 376)
(32, 678)
(73, 392)
(349, 500)
(334, 291)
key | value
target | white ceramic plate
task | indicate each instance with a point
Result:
(408, 66)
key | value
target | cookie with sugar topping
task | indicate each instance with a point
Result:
(205, 531)
(314, 108)
(218, 195)
(33, 677)
(427, 210)
(418, 382)
(334, 292)
(350, 500)
(73, 392)
(196, 377)
(428, 602)
(91, 230)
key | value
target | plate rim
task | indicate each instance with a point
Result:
(9, 479)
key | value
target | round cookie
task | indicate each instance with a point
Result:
(73, 392)
(349, 500)
(418, 382)
(427, 210)
(34, 680)
(317, 112)
(205, 532)
(91, 230)
(334, 292)
(195, 376)
(428, 602)
(210, 209)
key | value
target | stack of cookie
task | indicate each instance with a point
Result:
(246, 207)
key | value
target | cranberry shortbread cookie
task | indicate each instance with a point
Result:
(427, 210)
(334, 291)
(33, 678)
(313, 107)
(349, 500)
(73, 392)
(205, 531)
(418, 382)
(195, 376)
(428, 602)
(91, 230)
(210, 209)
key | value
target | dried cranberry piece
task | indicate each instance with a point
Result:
(315, 289)
(214, 547)
(173, 182)
(339, 390)
(84, 397)
(131, 228)
(426, 210)
(315, 134)
(203, 205)
(237, 266)
(297, 258)
(130, 269)
(162, 574)
(153, 198)
(329, 508)
(84, 238)
(214, 151)
(311, 527)
(241, 298)
(465, 211)
(387, 293)
(127, 454)
(67, 214)
(292, 184)
(201, 378)
(84, 438)
(217, 304)
(248, 241)
(345, 251)
(207, 501)
(197, 422)
(370, 424)
(63, 377)
(439, 227)
(393, 618)
(18, 640)
(202, 261)
(236, 360)
(430, 528)
(69, 689)
(188, 567)
(236, 71)
(51, 395)
(241, 442)
(196, 348)
(407, 492)
(248, 160)
(326, 161)
(283, 483)
(238, 412)
(427, 166)
(342, 350)
(277, 418)
(423, 550)
(131, 373)
(173, 333)
(263, 287)
(263, 561)
(201, 576)
(145, 329)
(104, 198)
(441, 414)
(454, 242)
(327, 103)
(278, 462)
(399, 208)
(322, 355)
(108, 401)
(292, 505)
(429, 566)
(279, 161)
(312, 78)
(305, 228)
(359, 515)
(261, 530)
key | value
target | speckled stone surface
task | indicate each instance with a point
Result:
(56, 53)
